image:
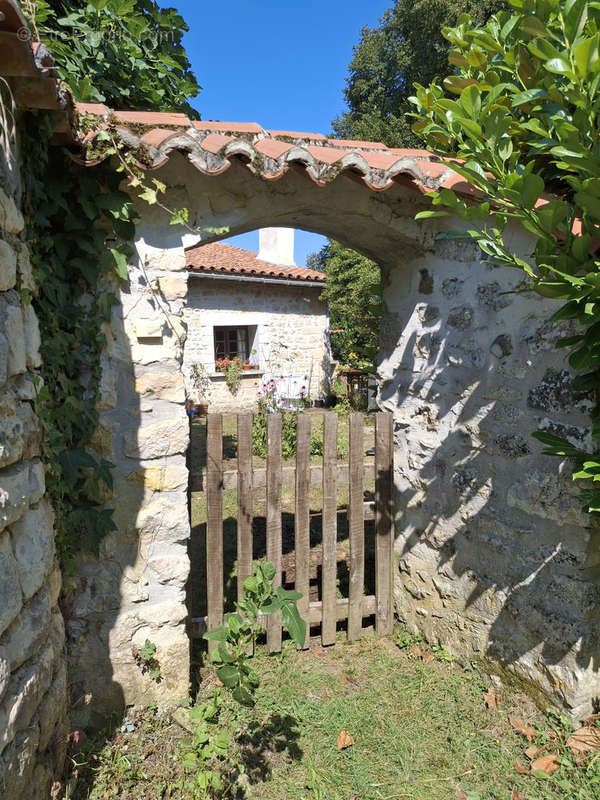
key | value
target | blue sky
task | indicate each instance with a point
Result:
(279, 63)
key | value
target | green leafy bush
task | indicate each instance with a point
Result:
(522, 113)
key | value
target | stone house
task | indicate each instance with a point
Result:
(262, 309)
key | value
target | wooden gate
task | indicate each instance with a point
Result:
(329, 609)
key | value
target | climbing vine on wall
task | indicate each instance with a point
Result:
(125, 53)
(69, 213)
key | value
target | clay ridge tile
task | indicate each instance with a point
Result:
(227, 259)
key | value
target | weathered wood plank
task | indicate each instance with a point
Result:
(356, 527)
(214, 522)
(197, 625)
(329, 566)
(384, 522)
(244, 501)
(274, 521)
(302, 520)
(259, 476)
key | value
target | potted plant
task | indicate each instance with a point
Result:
(232, 374)
(203, 387)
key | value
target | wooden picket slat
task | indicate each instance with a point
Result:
(330, 609)
(244, 500)
(302, 519)
(384, 522)
(274, 521)
(214, 522)
(356, 527)
(329, 565)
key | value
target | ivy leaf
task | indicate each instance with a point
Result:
(120, 265)
(149, 195)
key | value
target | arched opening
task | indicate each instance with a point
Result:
(485, 527)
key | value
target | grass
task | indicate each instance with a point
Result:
(421, 732)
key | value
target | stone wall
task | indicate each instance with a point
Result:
(492, 548)
(288, 331)
(135, 590)
(33, 685)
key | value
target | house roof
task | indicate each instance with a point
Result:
(224, 259)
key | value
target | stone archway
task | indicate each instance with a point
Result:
(491, 547)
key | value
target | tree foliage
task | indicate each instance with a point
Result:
(126, 53)
(407, 46)
(523, 114)
(353, 293)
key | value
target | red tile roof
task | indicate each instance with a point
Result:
(224, 259)
(213, 146)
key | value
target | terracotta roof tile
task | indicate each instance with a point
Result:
(226, 259)
(296, 135)
(215, 142)
(353, 144)
(98, 109)
(227, 127)
(153, 118)
(272, 148)
(328, 155)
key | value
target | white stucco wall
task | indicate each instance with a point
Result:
(287, 330)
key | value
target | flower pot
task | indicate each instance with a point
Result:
(253, 366)
(201, 409)
(246, 367)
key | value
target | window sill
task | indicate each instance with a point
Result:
(243, 373)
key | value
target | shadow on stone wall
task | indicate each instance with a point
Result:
(493, 551)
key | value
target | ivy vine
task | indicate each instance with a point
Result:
(70, 213)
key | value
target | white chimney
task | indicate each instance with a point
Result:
(276, 245)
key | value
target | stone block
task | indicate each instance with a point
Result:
(3, 359)
(28, 631)
(33, 340)
(107, 390)
(17, 768)
(25, 690)
(25, 268)
(11, 219)
(33, 545)
(149, 328)
(11, 599)
(170, 568)
(163, 385)
(14, 493)
(52, 708)
(547, 496)
(8, 266)
(163, 521)
(172, 287)
(15, 333)
(158, 439)
(31, 430)
(4, 672)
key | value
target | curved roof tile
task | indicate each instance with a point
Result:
(213, 146)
